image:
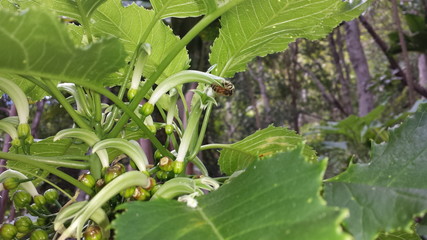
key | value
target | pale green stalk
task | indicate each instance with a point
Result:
(126, 180)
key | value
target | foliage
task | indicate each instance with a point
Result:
(73, 50)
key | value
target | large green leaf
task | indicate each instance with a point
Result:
(277, 198)
(34, 42)
(266, 142)
(387, 193)
(259, 27)
(68, 8)
(179, 8)
(129, 24)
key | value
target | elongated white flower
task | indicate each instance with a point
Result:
(131, 148)
(86, 136)
(18, 97)
(27, 186)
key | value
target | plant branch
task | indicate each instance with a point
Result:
(169, 58)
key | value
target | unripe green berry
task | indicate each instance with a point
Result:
(147, 109)
(41, 221)
(39, 234)
(24, 130)
(128, 192)
(35, 207)
(23, 224)
(8, 231)
(51, 195)
(141, 194)
(152, 184)
(166, 164)
(169, 129)
(11, 183)
(40, 200)
(21, 199)
(113, 172)
(93, 233)
(88, 180)
(178, 167)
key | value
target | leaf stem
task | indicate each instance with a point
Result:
(202, 132)
(215, 145)
(34, 161)
(55, 161)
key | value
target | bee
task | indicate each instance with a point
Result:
(227, 88)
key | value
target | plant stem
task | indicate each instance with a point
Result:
(202, 132)
(168, 59)
(34, 161)
(61, 99)
(215, 145)
(85, 22)
(55, 161)
(130, 113)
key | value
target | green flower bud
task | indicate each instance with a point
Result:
(152, 128)
(157, 155)
(8, 231)
(147, 109)
(141, 194)
(11, 183)
(169, 129)
(128, 192)
(39, 234)
(155, 188)
(87, 179)
(29, 140)
(21, 199)
(16, 142)
(93, 233)
(178, 167)
(23, 224)
(131, 93)
(166, 164)
(24, 130)
(161, 175)
(51, 195)
(40, 200)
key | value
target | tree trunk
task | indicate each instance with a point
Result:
(360, 66)
(422, 69)
(405, 54)
(394, 65)
(345, 95)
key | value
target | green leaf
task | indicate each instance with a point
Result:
(387, 193)
(277, 198)
(74, 9)
(179, 8)
(129, 24)
(48, 148)
(257, 28)
(34, 42)
(263, 143)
